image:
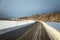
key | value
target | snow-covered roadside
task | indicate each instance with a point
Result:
(52, 32)
(9, 24)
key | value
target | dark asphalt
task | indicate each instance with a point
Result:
(13, 35)
(33, 31)
(37, 32)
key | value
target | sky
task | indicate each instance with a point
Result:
(21, 8)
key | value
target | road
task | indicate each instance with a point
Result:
(34, 31)
(37, 32)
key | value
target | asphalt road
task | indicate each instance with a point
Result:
(30, 32)
(37, 32)
(13, 35)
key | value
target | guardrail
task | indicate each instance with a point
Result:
(53, 33)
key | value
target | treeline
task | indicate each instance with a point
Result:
(2, 18)
(54, 16)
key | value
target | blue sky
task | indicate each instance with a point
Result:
(20, 8)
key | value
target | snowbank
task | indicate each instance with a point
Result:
(53, 33)
(9, 24)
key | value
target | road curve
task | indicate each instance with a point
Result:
(33, 31)
(37, 32)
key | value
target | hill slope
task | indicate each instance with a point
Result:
(55, 16)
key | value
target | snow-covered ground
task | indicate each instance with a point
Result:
(52, 32)
(9, 24)
(55, 25)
